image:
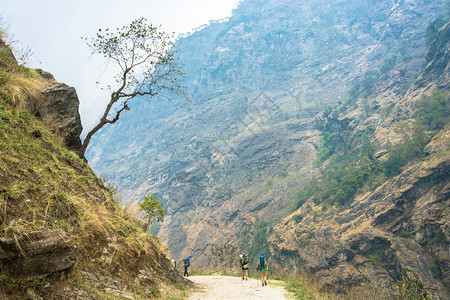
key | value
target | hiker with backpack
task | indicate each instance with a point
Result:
(262, 268)
(186, 265)
(244, 265)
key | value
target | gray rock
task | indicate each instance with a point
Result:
(83, 295)
(47, 75)
(103, 282)
(432, 148)
(31, 294)
(398, 228)
(60, 110)
(120, 293)
(40, 253)
(111, 283)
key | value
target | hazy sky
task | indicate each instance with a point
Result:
(53, 29)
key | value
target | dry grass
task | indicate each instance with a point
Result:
(22, 89)
(2, 33)
(19, 86)
(308, 287)
(45, 186)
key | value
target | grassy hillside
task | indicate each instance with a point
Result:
(45, 187)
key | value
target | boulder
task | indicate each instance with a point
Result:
(37, 254)
(60, 110)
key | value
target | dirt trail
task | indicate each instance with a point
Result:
(225, 287)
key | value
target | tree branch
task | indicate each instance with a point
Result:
(137, 45)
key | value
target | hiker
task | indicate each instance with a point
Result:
(262, 268)
(186, 265)
(244, 265)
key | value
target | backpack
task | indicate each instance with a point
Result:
(262, 262)
(187, 261)
(244, 260)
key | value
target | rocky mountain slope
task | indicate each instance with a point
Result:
(398, 230)
(279, 91)
(63, 234)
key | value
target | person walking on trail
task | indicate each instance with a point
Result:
(262, 268)
(186, 265)
(244, 265)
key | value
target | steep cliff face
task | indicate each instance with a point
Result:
(435, 76)
(258, 83)
(59, 109)
(63, 235)
(400, 230)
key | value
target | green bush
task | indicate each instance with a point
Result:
(298, 218)
(300, 292)
(433, 112)
(389, 64)
(410, 289)
(436, 271)
(363, 87)
(152, 208)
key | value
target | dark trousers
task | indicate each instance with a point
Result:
(186, 271)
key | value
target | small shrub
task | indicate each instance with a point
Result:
(432, 112)
(152, 208)
(436, 271)
(389, 64)
(404, 234)
(410, 289)
(298, 218)
(299, 290)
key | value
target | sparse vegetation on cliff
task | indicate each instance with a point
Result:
(350, 162)
(20, 86)
(255, 240)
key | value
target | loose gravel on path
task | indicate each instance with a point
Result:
(225, 287)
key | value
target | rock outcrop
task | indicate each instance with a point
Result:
(59, 110)
(398, 230)
(58, 106)
(37, 254)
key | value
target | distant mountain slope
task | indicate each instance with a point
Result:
(260, 85)
(400, 230)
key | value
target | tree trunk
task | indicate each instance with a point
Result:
(89, 137)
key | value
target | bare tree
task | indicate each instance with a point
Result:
(146, 59)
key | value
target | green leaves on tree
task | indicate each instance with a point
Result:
(147, 66)
(152, 208)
